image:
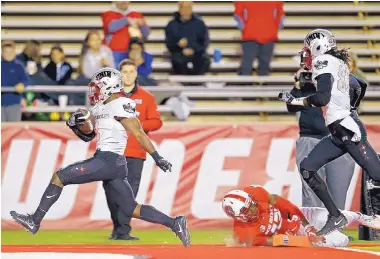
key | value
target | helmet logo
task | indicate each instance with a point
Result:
(316, 35)
(103, 74)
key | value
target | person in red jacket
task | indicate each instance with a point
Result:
(259, 23)
(119, 25)
(150, 120)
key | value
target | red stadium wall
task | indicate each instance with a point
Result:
(207, 162)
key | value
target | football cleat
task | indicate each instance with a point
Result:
(370, 221)
(333, 223)
(181, 230)
(26, 221)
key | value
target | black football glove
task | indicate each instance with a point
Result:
(76, 118)
(285, 96)
(163, 164)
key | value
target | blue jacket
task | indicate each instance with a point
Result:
(145, 68)
(194, 30)
(12, 73)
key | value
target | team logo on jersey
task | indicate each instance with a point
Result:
(262, 228)
(321, 64)
(129, 108)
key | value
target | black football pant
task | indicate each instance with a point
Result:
(121, 221)
(104, 166)
(332, 147)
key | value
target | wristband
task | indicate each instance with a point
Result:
(298, 101)
(155, 156)
(287, 240)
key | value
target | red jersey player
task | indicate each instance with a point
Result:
(264, 219)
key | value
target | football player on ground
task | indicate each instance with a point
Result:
(115, 115)
(329, 66)
(263, 219)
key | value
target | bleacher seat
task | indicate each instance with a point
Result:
(355, 25)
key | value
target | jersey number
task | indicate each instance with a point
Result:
(342, 83)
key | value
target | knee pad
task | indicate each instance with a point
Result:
(307, 175)
(313, 180)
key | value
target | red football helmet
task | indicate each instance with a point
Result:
(236, 204)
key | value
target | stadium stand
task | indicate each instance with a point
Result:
(355, 24)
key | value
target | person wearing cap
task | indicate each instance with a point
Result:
(13, 74)
(150, 119)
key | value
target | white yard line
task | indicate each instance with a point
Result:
(359, 251)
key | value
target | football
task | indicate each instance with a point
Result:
(89, 125)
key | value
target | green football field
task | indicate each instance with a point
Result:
(100, 237)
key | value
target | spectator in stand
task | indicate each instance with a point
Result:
(187, 39)
(13, 74)
(119, 25)
(143, 62)
(31, 57)
(259, 23)
(58, 69)
(94, 55)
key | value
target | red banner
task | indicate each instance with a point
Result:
(207, 162)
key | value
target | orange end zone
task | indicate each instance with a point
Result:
(197, 251)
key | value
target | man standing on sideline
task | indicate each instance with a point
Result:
(150, 119)
(312, 130)
(13, 74)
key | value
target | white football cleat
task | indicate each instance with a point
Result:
(370, 221)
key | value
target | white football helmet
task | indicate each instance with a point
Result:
(105, 82)
(316, 43)
(236, 204)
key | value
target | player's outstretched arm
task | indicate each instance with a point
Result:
(75, 119)
(133, 126)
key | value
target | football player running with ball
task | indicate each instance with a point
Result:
(115, 115)
(263, 219)
(329, 66)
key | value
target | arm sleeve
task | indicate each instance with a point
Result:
(146, 68)
(67, 75)
(171, 39)
(238, 14)
(153, 121)
(323, 95)
(25, 79)
(280, 15)
(145, 30)
(111, 25)
(82, 136)
(297, 93)
(285, 205)
(358, 88)
(125, 108)
(202, 42)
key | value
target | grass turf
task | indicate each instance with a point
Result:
(51, 237)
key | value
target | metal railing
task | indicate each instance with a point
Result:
(162, 93)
